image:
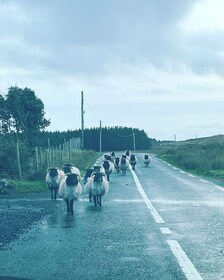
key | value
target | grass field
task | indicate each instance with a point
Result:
(203, 156)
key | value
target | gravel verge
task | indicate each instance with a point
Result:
(18, 213)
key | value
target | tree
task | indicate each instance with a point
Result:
(25, 113)
(4, 116)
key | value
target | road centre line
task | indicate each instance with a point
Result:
(186, 265)
(184, 262)
(158, 219)
(165, 230)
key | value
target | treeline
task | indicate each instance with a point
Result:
(19, 160)
(112, 138)
(26, 148)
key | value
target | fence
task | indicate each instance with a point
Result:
(17, 161)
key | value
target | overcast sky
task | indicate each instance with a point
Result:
(156, 65)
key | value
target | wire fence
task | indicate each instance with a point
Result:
(19, 162)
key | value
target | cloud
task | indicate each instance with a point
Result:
(206, 15)
(156, 65)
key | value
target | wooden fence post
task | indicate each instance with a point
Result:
(18, 159)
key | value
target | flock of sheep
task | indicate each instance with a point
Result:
(68, 184)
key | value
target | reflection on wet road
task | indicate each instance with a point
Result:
(121, 239)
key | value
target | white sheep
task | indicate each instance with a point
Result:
(113, 156)
(99, 168)
(86, 178)
(54, 176)
(109, 168)
(117, 164)
(124, 164)
(133, 161)
(127, 153)
(97, 185)
(70, 189)
(146, 160)
(70, 168)
(87, 175)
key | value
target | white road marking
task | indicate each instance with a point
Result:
(186, 265)
(184, 262)
(165, 230)
(158, 219)
(190, 175)
(219, 187)
(204, 181)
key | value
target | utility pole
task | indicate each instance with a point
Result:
(82, 122)
(100, 138)
(133, 139)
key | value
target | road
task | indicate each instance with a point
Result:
(156, 222)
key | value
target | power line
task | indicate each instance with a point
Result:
(102, 123)
(91, 111)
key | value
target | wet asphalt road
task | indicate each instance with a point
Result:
(172, 228)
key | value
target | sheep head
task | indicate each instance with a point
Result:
(53, 172)
(71, 179)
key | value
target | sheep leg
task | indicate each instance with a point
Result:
(95, 200)
(99, 200)
(71, 206)
(55, 193)
(67, 204)
(52, 194)
(90, 195)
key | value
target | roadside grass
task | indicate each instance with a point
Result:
(205, 160)
(35, 182)
(25, 186)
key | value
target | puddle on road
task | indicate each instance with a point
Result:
(58, 221)
(128, 200)
(129, 259)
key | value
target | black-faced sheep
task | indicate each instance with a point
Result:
(99, 168)
(108, 167)
(133, 161)
(70, 168)
(127, 153)
(146, 160)
(86, 178)
(117, 164)
(97, 186)
(70, 189)
(113, 156)
(54, 176)
(124, 164)
(87, 175)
